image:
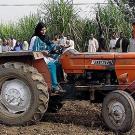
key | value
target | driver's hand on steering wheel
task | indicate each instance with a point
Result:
(45, 53)
(62, 45)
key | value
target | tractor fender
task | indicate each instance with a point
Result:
(42, 67)
(35, 59)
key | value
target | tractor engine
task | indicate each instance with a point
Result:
(89, 69)
(91, 77)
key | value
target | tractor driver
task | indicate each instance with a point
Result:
(41, 42)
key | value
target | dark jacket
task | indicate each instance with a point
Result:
(102, 45)
(125, 43)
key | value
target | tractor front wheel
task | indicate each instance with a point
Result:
(118, 111)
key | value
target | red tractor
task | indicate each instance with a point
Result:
(26, 85)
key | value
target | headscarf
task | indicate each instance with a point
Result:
(44, 38)
(38, 28)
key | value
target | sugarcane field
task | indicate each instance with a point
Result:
(67, 67)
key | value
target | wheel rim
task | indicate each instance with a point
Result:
(15, 96)
(116, 113)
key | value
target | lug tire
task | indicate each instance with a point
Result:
(38, 91)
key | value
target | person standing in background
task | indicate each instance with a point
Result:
(93, 44)
(25, 46)
(131, 47)
(5, 47)
(0, 45)
(69, 44)
(13, 41)
(9, 44)
(112, 43)
(122, 43)
(56, 39)
(102, 44)
(62, 40)
(18, 47)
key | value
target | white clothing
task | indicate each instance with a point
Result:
(119, 49)
(112, 44)
(131, 47)
(5, 48)
(0, 48)
(93, 45)
(14, 43)
(62, 40)
(32, 43)
(71, 44)
(49, 59)
(25, 45)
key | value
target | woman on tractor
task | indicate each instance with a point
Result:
(40, 42)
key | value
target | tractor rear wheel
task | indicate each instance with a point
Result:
(118, 111)
(23, 94)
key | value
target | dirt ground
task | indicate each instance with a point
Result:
(74, 118)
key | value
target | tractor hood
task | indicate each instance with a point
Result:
(77, 62)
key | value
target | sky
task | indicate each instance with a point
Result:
(13, 13)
